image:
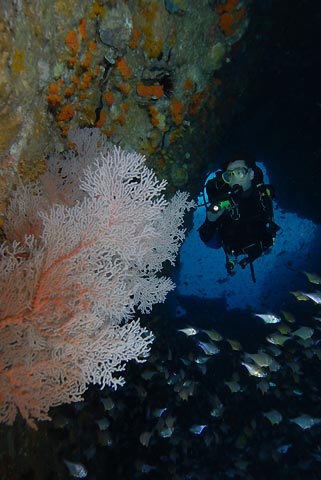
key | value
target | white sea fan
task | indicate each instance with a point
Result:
(69, 296)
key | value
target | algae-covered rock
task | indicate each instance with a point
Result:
(216, 55)
(142, 71)
(116, 27)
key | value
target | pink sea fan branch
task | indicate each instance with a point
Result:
(69, 294)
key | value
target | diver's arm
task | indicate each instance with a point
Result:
(214, 216)
(216, 190)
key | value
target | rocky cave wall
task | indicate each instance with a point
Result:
(148, 73)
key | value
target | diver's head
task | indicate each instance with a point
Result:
(239, 172)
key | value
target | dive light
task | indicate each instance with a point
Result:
(216, 207)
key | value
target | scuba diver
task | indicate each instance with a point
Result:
(239, 213)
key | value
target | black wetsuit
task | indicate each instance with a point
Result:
(246, 226)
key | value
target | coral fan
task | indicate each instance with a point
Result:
(69, 291)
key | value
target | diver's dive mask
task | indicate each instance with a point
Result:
(239, 173)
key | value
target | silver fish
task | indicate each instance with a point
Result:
(144, 438)
(261, 358)
(76, 470)
(304, 332)
(213, 335)
(263, 386)
(108, 403)
(297, 392)
(254, 370)
(277, 339)
(217, 411)
(313, 277)
(268, 317)
(233, 385)
(315, 297)
(288, 316)
(283, 328)
(146, 468)
(201, 360)
(158, 412)
(273, 416)
(166, 432)
(185, 361)
(274, 366)
(188, 331)
(235, 344)
(103, 423)
(305, 421)
(197, 429)
(284, 448)
(300, 296)
(104, 438)
(208, 348)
